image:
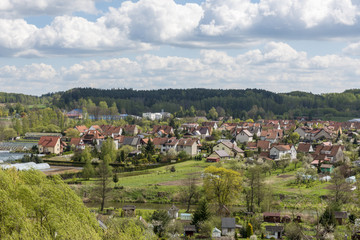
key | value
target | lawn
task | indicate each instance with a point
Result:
(162, 177)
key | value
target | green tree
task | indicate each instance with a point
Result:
(201, 214)
(222, 185)
(72, 133)
(104, 172)
(9, 133)
(255, 186)
(162, 218)
(37, 207)
(293, 231)
(213, 114)
(115, 179)
(127, 229)
(150, 148)
(88, 170)
(327, 219)
(108, 149)
(294, 137)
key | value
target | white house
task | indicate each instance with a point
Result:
(279, 151)
(244, 136)
(274, 231)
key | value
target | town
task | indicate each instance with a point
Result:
(200, 177)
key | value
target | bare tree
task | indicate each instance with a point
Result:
(189, 192)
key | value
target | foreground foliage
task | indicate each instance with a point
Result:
(35, 207)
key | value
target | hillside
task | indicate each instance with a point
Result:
(248, 103)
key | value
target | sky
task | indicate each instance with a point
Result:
(276, 45)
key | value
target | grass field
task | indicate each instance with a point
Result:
(160, 185)
(162, 177)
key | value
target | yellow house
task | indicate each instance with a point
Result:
(50, 144)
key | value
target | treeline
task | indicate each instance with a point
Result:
(249, 103)
(19, 98)
(243, 104)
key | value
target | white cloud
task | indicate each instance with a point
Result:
(155, 20)
(23, 8)
(16, 34)
(146, 24)
(242, 17)
(276, 67)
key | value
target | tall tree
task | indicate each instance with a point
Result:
(255, 186)
(189, 192)
(104, 172)
(88, 170)
(108, 148)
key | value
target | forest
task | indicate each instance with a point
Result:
(243, 104)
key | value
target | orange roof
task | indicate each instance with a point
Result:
(81, 128)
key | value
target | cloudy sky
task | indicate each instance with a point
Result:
(277, 45)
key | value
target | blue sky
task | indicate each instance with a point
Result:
(281, 46)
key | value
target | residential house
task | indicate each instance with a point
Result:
(228, 226)
(272, 217)
(203, 132)
(163, 130)
(51, 144)
(131, 130)
(82, 129)
(231, 148)
(211, 124)
(77, 144)
(200, 132)
(92, 137)
(95, 128)
(218, 154)
(271, 135)
(332, 153)
(263, 145)
(111, 131)
(305, 148)
(310, 134)
(75, 114)
(244, 136)
(275, 232)
(187, 126)
(187, 145)
(159, 144)
(134, 142)
(279, 151)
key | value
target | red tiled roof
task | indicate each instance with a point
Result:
(75, 141)
(48, 141)
(264, 145)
